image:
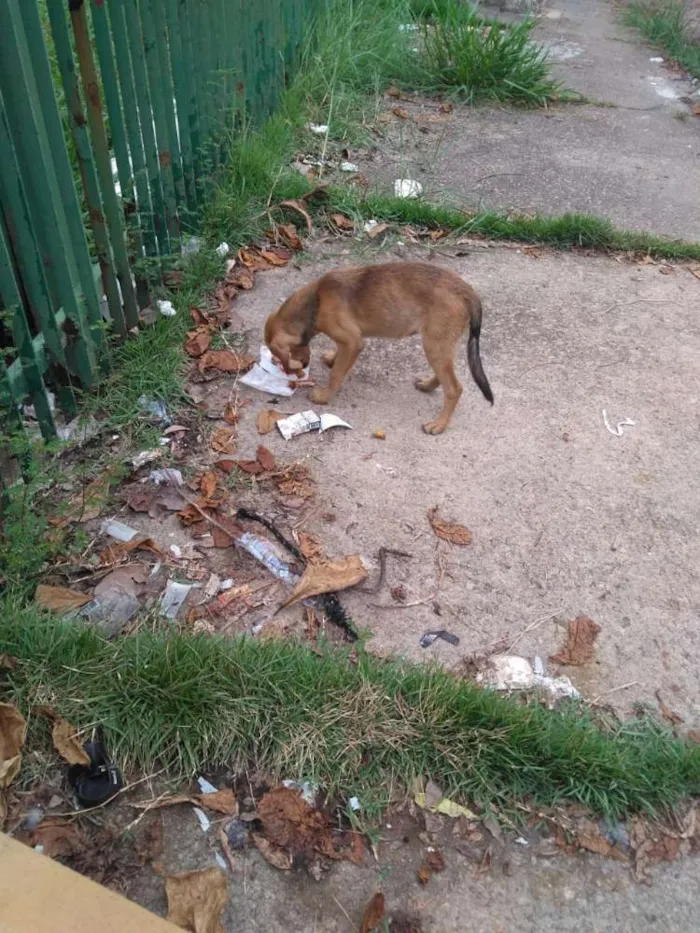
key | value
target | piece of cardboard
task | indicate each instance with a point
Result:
(39, 895)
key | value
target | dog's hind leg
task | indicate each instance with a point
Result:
(439, 354)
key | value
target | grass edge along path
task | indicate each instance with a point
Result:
(190, 702)
(664, 23)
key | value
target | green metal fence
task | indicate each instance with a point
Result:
(112, 117)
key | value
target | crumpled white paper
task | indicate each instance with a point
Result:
(267, 376)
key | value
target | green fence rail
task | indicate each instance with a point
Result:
(113, 115)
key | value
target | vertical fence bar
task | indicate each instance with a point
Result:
(122, 55)
(193, 102)
(117, 129)
(86, 63)
(33, 147)
(21, 335)
(205, 81)
(78, 125)
(169, 101)
(143, 96)
(179, 72)
(41, 69)
(165, 155)
(25, 246)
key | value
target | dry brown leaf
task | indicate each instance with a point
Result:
(60, 598)
(241, 277)
(275, 259)
(207, 485)
(342, 222)
(449, 531)
(309, 546)
(373, 916)
(400, 113)
(251, 467)
(590, 838)
(196, 900)
(265, 457)
(289, 822)
(579, 648)
(57, 838)
(276, 856)
(226, 361)
(436, 235)
(231, 413)
(221, 801)
(227, 466)
(223, 440)
(328, 577)
(267, 419)
(8, 663)
(289, 234)
(299, 207)
(220, 538)
(67, 743)
(251, 259)
(696, 109)
(114, 553)
(198, 341)
(377, 231)
(446, 108)
(13, 728)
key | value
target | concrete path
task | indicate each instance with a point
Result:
(634, 156)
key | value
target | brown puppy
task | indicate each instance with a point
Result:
(394, 300)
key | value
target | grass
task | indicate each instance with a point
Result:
(189, 703)
(665, 24)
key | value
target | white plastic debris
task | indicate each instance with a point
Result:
(118, 530)
(616, 431)
(348, 167)
(267, 376)
(269, 556)
(156, 408)
(168, 475)
(407, 188)
(230, 264)
(511, 672)
(656, 59)
(223, 249)
(204, 821)
(175, 551)
(172, 599)
(221, 862)
(538, 666)
(370, 225)
(146, 456)
(306, 421)
(320, 129)
(306, 789)
(226, 585)
(191, 245)
(166, 308)
(205, 786)
(354, 804)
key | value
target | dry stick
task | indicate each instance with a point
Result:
(634, 301)
(532, 626)
(601, 696)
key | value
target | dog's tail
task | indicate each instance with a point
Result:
(473, 357)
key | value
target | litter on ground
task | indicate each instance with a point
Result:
(267, 376)
(306, 421)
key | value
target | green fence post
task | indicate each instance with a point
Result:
(91, 87)
(21, 335)
(165, 154)
(157, 10)
(66, 65)
(34, 147)
(143, 96)
(122, 54)
(179, 72)
(193, 101)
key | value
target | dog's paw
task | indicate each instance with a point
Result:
(434, 427)
(320, 396)
(426, 384)
(329, 357)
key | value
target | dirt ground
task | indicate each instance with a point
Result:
(566, 517)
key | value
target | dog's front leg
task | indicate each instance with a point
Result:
(345, 358)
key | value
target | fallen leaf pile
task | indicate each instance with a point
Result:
(449, 531)
(13, 728)
(292, 830)
(579, 648)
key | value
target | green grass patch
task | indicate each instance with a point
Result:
(665, 24)
(190, 703)
(567, 231)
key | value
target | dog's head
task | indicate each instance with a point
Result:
(289, 350)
